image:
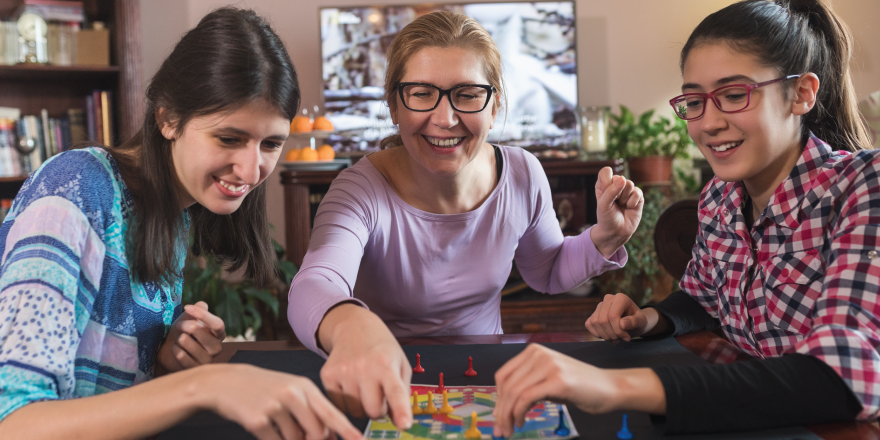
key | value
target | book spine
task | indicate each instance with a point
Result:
(46, 135)
(105, 118)
(90, 119)
(78, 131)
(99, 124)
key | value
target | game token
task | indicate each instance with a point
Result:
(473, 432)
(446, 408)
(418, 368)
(562, 430)
(624, 433)
(430, 409)
(440, 387)
(416, 409)
(470, 371)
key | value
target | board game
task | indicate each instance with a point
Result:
(542, 421)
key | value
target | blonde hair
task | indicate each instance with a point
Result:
(440, 29)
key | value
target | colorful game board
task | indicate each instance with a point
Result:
(542, 420)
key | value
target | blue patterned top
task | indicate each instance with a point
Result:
(73, 323)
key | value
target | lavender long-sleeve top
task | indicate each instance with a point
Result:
(430, 274)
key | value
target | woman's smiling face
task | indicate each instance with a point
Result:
(758, 144)
(221, 157)
(443, 141)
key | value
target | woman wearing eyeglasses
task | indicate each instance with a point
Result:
(786, 257)
(418, 239)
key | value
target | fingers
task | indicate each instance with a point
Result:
(287, 426)
(521, 382)
(616, 317)
(397, 394)
(183, 358)
(603, 180)
(620, 307)
(193, 350)
(212, 322)
(330, 417)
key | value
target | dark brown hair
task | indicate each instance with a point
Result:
(795, 37)
(232, 57)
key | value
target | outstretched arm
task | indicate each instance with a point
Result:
(268, 404)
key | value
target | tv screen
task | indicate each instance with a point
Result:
(537, 45)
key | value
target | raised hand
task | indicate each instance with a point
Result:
(194, 339)
(619, 211)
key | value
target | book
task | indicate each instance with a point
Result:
(105, 118)
(77, 123)
(99, 118)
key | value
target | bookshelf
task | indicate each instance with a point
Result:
(59, 88)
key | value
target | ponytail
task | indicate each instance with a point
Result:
(795, 37)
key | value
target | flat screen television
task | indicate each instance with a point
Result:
(537, 45)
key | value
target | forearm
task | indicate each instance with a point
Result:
(135, 412)
(346, 321)
(637, 389)
(658, 323)
(753, 392)
(680, 313)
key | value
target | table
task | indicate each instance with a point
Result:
(705, 344)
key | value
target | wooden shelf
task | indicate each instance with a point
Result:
(44, 72)
(14, 179)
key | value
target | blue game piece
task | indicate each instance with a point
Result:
(624, 433)
(500, 437)
(562, 430)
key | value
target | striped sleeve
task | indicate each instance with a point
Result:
(52, 262)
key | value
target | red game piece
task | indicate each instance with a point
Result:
(470, 371)
(418, 368)
(439, 389)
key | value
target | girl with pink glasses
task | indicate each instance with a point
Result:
(785, 263)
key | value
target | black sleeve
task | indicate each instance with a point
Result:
(794, 389)
(686, 315)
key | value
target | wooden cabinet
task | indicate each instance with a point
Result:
(58, 88)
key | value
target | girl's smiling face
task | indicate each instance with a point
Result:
(219, 158)
(759, 145)
(443, 141)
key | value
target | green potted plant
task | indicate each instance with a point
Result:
(648, 144)
(239, 303)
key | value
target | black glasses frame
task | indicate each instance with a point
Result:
(443, 92)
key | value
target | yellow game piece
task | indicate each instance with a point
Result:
(473, 432)
(416, 409)
(446, 409)
(430, 409)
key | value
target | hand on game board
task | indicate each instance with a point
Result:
(367, 372)
(618, 317)
(539, 373)
(619, 211)
(272, 405)
(194, 338)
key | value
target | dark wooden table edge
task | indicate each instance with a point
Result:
(694, 342)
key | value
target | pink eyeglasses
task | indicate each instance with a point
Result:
(729, 99)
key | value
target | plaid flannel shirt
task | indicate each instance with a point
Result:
(805, 279)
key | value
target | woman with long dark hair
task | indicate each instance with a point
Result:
(93, 250)
(786, 257)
